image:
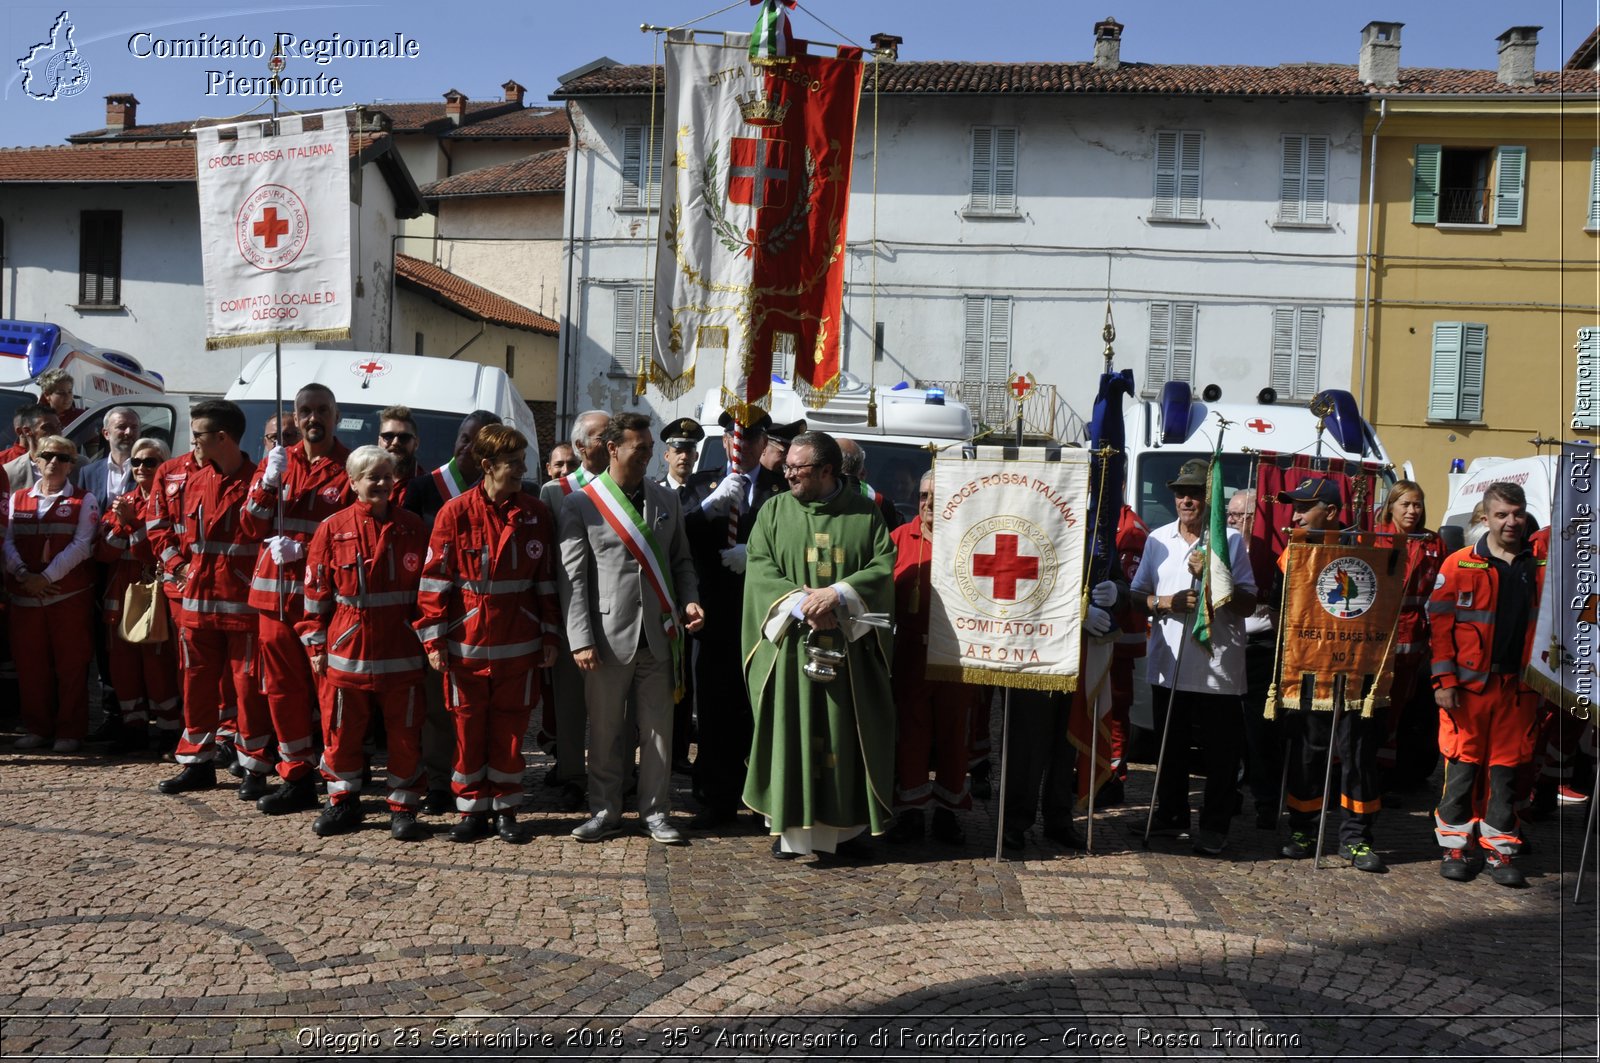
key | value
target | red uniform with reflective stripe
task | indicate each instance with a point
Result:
(220, 554)
(1423, 558)
(163, 523)
(126, 549)
(488, 592)
(52, 637)
(313, 491)
(361, 598)
(144, 676)
(41, 534)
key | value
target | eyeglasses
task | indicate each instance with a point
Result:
(145, 463)
(198, 436)
(1238, 516)
(52, 457)
(787, 468)
(391, 437)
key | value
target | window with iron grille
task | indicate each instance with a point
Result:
(100, 258)
(1469, 186)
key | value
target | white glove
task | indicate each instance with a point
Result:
(284, 550)
(733, 559)
(1096, 621)
(277, 465)
(1104, 594)
(728, 495)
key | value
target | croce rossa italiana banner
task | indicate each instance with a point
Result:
(1009, 537)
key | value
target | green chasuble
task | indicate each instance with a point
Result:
(823, 753)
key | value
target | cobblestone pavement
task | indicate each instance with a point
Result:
(138, 925)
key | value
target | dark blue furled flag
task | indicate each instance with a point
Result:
(1107, 474)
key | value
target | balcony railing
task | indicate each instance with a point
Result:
(1464, 206)
(1044, 413)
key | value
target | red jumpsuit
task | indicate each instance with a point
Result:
(216, 622)
(360, 604)
(52, 635)
(488, 600)
(1132, 534)
(1495, 719)
(144, 676)
(932, 716)
(313, 491)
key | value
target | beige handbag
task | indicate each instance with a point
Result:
(144, 613)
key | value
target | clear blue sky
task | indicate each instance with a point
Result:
(475, 46)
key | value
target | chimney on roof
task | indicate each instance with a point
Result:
(1517, 46)
(1380, 54)
(455, 106)
(514, 92)
(121, 111)
(887, 45)
(1107, 44)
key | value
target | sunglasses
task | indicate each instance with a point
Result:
(54, 457)
(144, 463)
(390, 437)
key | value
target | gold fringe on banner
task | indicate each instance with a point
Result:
(671, 387)
(953, 673)
(817, 397)
(745, 413)
(256, 339)
(1322, 697)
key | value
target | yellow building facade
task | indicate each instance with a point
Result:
(1483, 223)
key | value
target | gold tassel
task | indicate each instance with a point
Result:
(254, 339)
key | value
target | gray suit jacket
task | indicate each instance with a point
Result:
(603, 590)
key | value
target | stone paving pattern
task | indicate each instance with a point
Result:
(142, 926)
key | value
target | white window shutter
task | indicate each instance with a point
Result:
(998, 361)
(625, 330)
(1189, 166)
(1316, 184)
(1586, 406)
(1005, 170)
(647, 333)
(1291, 183)
(1165, 201)
(1444, 378)
(1158, 356)
(1510, 174)
(1282, 374)
(1307, 350)
(632, 166)
(1474, 341)
(1594, 191)
(973, 346)
(982, 169)
(1183, 340)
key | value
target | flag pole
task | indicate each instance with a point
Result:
(1588, 833)
(1327, 775)
(276, 64)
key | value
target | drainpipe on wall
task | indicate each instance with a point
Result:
(566, 385)
(1366, 298)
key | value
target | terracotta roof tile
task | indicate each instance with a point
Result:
(1583, 56)
(544, 172)
(1298, 79)
(406, 118)
(119, 162)
(467, 298)
(529, 122)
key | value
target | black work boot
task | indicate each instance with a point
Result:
(471, 827)
(299, 795)
(252, 786)
(192, 777)
(339, 817)
(403, 827)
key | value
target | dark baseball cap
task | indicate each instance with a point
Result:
(1314, 489)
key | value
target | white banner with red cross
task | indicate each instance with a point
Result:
(275, 230)
(1010, 527)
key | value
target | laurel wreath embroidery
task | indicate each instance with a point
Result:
(781, 235)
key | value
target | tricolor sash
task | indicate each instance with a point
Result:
(448, 479)
(615, 509)
(573, 480)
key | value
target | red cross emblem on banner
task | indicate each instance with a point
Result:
(758, 172)
(1006, 567)
(270, 227)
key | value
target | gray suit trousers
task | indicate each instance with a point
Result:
(648, 680)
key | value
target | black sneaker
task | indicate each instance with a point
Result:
(1111, 794)
(947, 828)
(192, 777)
(1170, 826)
(1014, 839)
(1362, 856)
(1065, 835)
(1300, 846)
(403, 827)
(1455, 866)
(1504, 872)
(779, 854)
(340, 817)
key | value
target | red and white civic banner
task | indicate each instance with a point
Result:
(751, 256)
(1009, 537)
(275, 230)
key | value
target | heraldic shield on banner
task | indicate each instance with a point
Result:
(751, 257)
(1008, 556)
(1340, 605)
(275, 230)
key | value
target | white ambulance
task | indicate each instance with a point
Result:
(1536, 477)
(439, 391)
(899, 447)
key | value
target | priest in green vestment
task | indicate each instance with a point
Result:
(820, 557)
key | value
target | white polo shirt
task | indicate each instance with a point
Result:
(1164, 570)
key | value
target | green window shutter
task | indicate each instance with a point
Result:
(1281, 377)
(1444, 379)
(1474, 341)
(1425, 185)
(1510, 177)
(1594, 191)
(982, 169)
(1586, 406)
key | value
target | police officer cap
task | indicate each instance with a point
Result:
(1314, 489)
(763, 423)
(785, 433)
(683, 433)
(1192, 474)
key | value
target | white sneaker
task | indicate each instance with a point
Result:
(66, 745)
(31, 742)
